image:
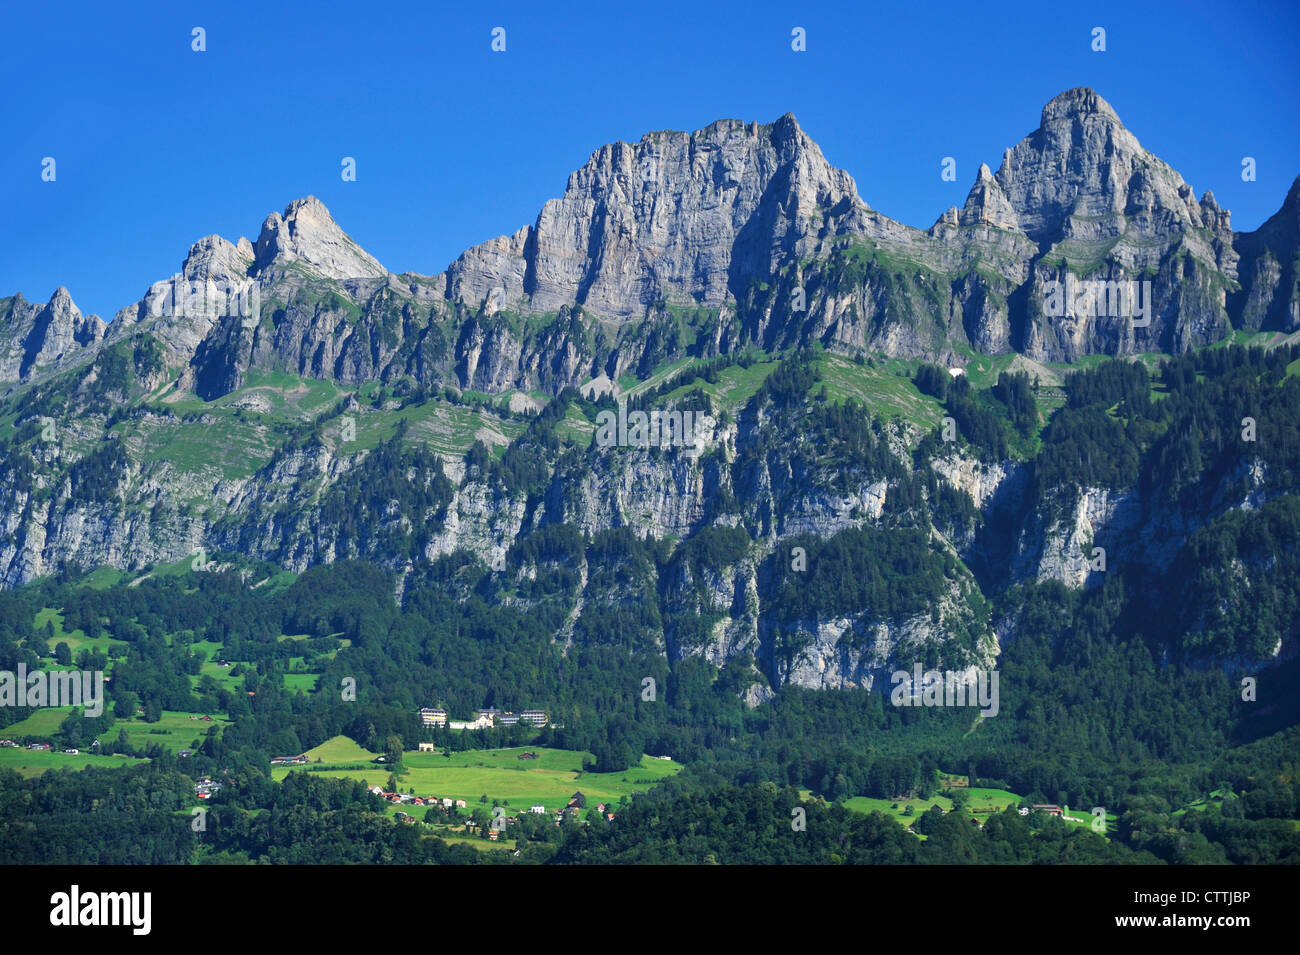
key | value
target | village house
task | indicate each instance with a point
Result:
(298, 760)
(426, 747)
(537, 810)
(1051, 810)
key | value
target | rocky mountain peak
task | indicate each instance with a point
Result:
(1078, 104)
(684, 217)
(1081, 164)
(213, 257)
(34, 336)
(306, 232)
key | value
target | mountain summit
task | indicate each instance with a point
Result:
(308, 233)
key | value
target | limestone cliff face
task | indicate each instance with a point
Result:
(35, 337)
(687, 218)
(751, 231)
(1269, 296)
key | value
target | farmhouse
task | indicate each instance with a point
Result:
(299, 760)
(1051, 810)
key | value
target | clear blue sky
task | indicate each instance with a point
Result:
(157, 145)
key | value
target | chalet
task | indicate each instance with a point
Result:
(600, 807)
(377, 790)
(577, 801)
(185, 752)
(1051, 810)
(10, 744)
(42, 747)
(300, 760)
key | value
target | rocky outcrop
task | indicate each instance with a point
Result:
(308, 234)
(686, 218)
(37, 337)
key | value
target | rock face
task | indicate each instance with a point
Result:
(687, 218)
(733, 235)
(35, 337)
(1269, 296)
(307, 233)
(1082, 174)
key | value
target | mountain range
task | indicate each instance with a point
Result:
(357, 413)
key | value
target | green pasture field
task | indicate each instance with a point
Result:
(29, 763)
(499, 774)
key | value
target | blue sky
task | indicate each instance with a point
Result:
(157, 145)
